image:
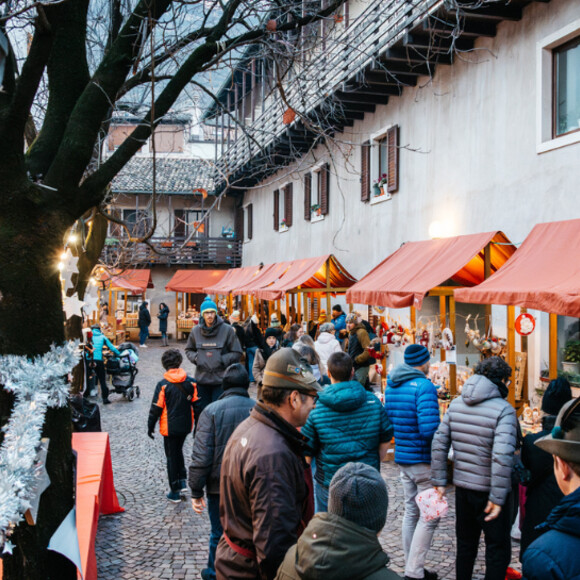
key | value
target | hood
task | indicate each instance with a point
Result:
(325, 338)
(96, 331)
(343, 397)
(175, 375)
(565, 516)
(402, 374)
(478, 388)
(357, 327)
(143, 306)
(333, 547)
(210, 330)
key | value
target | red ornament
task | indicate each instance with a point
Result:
(525, 324)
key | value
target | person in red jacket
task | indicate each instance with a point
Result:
(173, 405)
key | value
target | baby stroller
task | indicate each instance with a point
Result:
(123, 370)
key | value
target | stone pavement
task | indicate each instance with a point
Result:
(155, 539)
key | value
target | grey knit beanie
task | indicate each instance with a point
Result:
(358, 493)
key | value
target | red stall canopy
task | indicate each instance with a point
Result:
(407, 275)
(233, 278)
(136, 281)
(267, 275)
(194, 281)
(543, 274)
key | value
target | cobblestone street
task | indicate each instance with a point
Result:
(154, 538)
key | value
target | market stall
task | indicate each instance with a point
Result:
(543, 274)
(434, 268)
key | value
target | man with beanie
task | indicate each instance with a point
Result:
(542, 491)
(212, 347)
(217, 422)
(358, 340)
(270, 346)
(554, 555)
(482, 426)
(412, 407)
(348, 424)
(266, 485)
(343, 544)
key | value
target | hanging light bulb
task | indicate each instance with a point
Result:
(63, 257)
(72, 239)
(60, 266)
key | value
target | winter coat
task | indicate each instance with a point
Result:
(481, 427)
(241, 334)
(412, 407)
(144, 317)
(347, 424)
(358, 340)
(265, 495)
(335, 548)
(555, 554)
(542, 491)
(325, 346)
(212, 350)
(254, 335)
(339, 323)
(171, 406)
(214, 427)
(260, 362)
(163, 315)
(99, 342)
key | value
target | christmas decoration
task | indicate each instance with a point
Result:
(36, 384)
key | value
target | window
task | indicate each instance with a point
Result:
(239, 223)
(558, 94)
(250, 217)
(380, 166)
(566, 79)
(316, 193)
(138, 222)
(186, 221)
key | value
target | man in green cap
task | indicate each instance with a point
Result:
(266, 495)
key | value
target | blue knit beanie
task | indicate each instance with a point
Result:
(208, 305)
(416, 355)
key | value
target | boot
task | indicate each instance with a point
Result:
(165, 341)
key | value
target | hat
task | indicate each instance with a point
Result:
(208, 305)
(286, 369)
(235, 315)
(351, 318)
(564, 443)
(416, 355)
(327, 327)
(274, 320)
(556, 396)
(358, 493)
(271, 332)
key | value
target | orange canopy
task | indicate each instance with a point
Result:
(233, 278)
(194, 281)
(136, 281)
(306, 273)
(267, 275)
(407, 275)
(543, 274)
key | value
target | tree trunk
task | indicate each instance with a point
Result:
(31, 319)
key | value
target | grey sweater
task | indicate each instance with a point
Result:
(481, 427)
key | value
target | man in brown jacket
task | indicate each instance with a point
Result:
(266, 486)
(358, 341)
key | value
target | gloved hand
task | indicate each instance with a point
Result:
(150, 434)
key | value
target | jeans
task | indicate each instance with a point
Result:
(469, 523)
(417, 532)
(213, 510)
(143, 335)
(320, 497)
(361, 375)
(207, 394)
(173, 445)
(250, 355)
(102, 378)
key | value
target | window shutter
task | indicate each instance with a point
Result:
(393, 159)
(307, 195)
(276, 209)
(325, 171)
(239, 223)
(250, 210)
(365, 168)
(288, 204)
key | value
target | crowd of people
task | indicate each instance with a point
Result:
(291, 481)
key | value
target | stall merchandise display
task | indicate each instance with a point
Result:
(439, 376)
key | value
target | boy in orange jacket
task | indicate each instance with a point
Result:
(173, 403)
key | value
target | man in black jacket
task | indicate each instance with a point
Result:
(212, 347)
(216, 424)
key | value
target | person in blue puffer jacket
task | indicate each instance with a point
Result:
(347, 424)
(99, 342)
(412, 407)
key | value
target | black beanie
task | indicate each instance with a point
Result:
(358, 493)
(556, 396)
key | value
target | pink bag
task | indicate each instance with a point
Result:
(431, 505)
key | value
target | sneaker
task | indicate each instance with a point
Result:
(512, 574)
(106, 402)
(183, 485)
(142, 346)
(174, 497)
(93, 393)
(430, 575)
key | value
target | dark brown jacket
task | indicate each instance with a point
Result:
(265, 495)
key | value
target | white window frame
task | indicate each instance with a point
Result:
(375, 140)
(544, 76)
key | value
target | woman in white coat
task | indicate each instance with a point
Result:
(326, 344)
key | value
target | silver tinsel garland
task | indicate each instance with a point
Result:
(37, 384)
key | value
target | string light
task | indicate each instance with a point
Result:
(72, 238)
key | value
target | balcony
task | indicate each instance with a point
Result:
(174, 252)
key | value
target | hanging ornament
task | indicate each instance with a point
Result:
(525, 324)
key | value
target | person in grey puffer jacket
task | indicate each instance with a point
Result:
(481, 427)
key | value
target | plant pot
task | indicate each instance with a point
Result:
(384, 190)
(572, 368)
(376, 190)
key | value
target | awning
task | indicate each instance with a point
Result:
(306, 273)
(194, 281)
(136, 281)
(266, 276)
(543, 274)
(234, 278)
(407, 275)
